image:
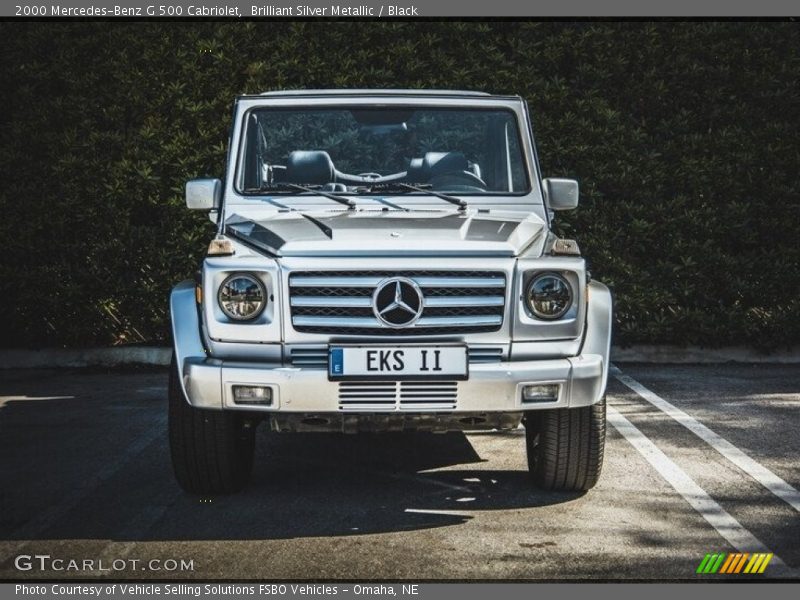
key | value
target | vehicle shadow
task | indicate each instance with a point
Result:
(76, 463)
(333, 484)
(322, 485)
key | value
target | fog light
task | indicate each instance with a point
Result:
(547, 392)
(252, 394)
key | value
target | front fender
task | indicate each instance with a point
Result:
(599, 318)
(201, 386)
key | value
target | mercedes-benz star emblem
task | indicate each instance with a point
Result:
(397, 302)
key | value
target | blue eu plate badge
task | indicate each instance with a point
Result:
(336, 363)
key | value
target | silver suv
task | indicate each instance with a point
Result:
(384, 261)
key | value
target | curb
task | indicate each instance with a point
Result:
(160, 356)
(698, 355)
(90, 357)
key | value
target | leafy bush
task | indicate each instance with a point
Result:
(684, 137)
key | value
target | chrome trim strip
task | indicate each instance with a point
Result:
(368, 322)
(471, 321)
(458, 301)
(300, 281)
(333, 301)
(304, 321)
(369, 281)
(447, 282)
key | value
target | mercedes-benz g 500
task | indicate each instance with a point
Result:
(384, 261)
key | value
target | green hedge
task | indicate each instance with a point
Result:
(684, 136)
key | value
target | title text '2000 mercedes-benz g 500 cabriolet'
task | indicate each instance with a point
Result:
(384, 261)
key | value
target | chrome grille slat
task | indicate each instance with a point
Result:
(451, 301)
(466, 321)
(428, 385)
(368, 400)
(439, 282)
(303, 281)
(361, 322)
(423, 322)
(428, 403)
(457, 282)
(335, 301)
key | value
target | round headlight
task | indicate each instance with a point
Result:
(242, 297)
(549, 296)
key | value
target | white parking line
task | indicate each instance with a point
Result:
(756, 470)
(436, 511)
(728, 527)
(6, 399)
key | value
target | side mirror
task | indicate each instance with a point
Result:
(204, 194)
(561, 194)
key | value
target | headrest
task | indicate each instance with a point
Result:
(439, 163)
(309, 166)
(435, 164)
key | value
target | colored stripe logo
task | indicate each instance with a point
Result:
(734, 563)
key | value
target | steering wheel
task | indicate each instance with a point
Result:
(458, 180)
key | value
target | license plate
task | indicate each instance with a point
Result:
(397, 362)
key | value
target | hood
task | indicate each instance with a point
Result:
(386, 233)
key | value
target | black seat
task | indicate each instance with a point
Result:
(310, 166)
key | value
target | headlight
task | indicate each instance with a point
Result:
(549, 296)
(242, 297)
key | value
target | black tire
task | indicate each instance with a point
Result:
(565, 446)
(212, 450)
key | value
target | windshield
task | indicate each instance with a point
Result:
(367, 150)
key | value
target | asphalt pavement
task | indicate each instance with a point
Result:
(699, 459)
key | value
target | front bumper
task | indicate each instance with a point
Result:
(492, 387)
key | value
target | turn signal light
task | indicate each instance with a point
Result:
(219, 246)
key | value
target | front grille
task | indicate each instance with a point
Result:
(340, 302)
(382, 396)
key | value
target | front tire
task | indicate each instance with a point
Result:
(212, 450)
(565, 446)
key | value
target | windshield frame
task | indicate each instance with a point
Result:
(529, 171)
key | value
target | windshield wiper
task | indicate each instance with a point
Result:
(419, 187)
(297, 188)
